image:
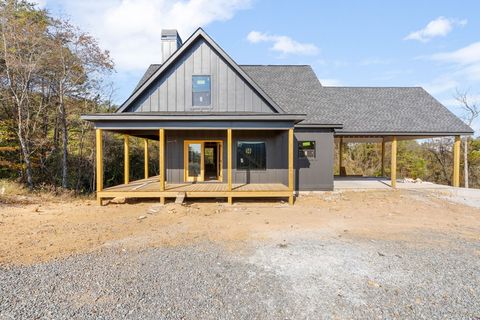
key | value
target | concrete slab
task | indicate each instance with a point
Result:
(469, 197)
(375, 183)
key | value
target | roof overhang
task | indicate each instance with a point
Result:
(319, 125)
(206, 121)
(405, 133)
(376, 137)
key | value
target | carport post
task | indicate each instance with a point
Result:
(383, 157)
(145, 157)
(340, 156)
(126, 159)
(393, 166)
(229, 163)
(456, 162)
(99, 162)
(161, 167)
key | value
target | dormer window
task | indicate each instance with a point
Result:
(201, 91)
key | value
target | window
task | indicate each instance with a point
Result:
(251, 155)
(201, 91)
(306, 149)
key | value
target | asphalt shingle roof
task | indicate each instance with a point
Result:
(148, 73)
(296, 89)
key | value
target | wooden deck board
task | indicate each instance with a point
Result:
(151, 187)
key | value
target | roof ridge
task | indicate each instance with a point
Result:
(374, 87)
(275, 65)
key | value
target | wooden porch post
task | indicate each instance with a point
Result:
(456, 162)
(290, 165)
(145, 157)
(229, 163)
(126, 159)
(393, 167)
(161, 166)
(99, 162)
(340, 156)
(383, 157)
(161, 152)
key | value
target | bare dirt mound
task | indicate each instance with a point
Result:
(41, 231)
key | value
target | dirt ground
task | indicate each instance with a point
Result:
(40, 229)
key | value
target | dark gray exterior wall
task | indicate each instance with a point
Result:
(314, 174)
(172, 92)
(277, 157)
(276, 144)
(310, 174)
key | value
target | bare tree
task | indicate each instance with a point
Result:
(471, 112)
(76, 59)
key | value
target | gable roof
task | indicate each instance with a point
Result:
(295, 89)
(188, 43)
(408, 110)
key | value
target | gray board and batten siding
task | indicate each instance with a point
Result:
(316, 173)
(310, 174)
(276, 154)
(172, 91)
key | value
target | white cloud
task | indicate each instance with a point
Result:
(467, 58)
(441, 84)
(131, 29)
(439, 27)
(283, 44)
(467, 55)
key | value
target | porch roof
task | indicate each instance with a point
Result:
(193, 120)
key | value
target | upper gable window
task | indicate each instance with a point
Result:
(201, 91)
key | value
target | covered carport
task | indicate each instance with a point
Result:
(344, 138)
(384, 116)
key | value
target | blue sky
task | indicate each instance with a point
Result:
(433, 44)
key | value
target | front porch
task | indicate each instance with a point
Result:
(202, 162)
(150, 188)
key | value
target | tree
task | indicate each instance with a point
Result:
(22, 50)
(471, 112)
(76, 59)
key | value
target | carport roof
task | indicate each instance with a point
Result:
(361, 110)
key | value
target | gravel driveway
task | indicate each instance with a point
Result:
(313, 276)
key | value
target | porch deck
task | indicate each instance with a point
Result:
(150, 188)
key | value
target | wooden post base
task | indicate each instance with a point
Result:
(162, 200)
(99, 201)
(291, 200)
(230, 200)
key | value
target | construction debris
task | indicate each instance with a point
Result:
(118, 200)
(155, 209)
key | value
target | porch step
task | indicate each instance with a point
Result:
(180, 197)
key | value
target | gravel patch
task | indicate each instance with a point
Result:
(303, 277)
(468, 197)
(198, 282)
(362, 279)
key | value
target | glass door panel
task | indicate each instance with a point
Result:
(203, 160)
(194, 162)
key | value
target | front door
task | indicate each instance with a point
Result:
(203, 160)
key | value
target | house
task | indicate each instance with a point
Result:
(229, 130)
